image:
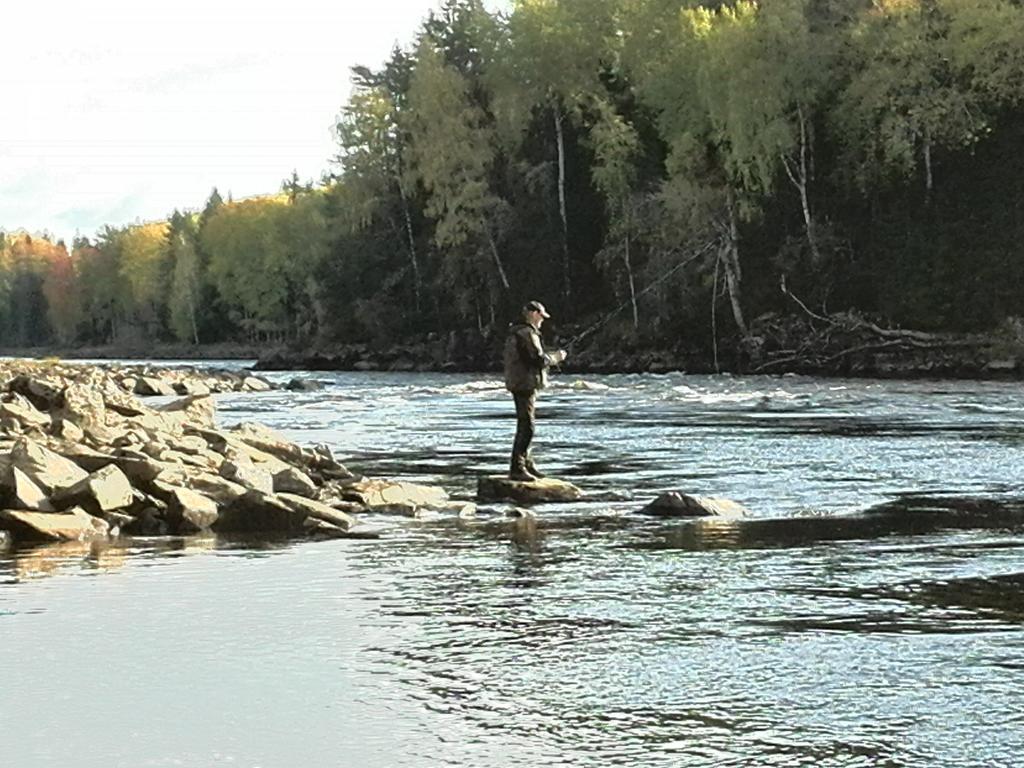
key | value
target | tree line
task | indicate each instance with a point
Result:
(693, 168)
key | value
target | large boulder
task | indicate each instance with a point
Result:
(118, 401)
(304, 385)
(188, 511)
(74, 525)
(191, 388)
(84, 405)
(45, 468)
(45, 392)
(678, 504)
(67, 430)
(268, 441)
(17, 491)
(245, 473)
(104, 490)
(500, 488)
(149, 386)
(215, 487)
(199, 410)
(292, 480)
(20, 409)
(255, 384)
(257, 512)
(284, 513)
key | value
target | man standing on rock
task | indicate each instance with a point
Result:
(526, 371)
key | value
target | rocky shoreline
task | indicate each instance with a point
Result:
(83, 458)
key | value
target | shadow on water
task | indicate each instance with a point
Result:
(907, 516)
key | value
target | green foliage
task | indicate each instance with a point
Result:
(664, 154)
(452, 155)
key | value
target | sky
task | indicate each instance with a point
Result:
(117, 111)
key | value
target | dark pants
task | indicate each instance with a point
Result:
(525, 422)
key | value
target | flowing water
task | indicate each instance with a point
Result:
(824, 631)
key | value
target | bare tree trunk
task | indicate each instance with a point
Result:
(928, 179)
(412, 245)
(192, 316)
(566, 270)
(714, 314)
(801, 178)
(497, 260)
(733, 275)
(632, 286)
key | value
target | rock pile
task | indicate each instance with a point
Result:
(83, 458)
(141, 380)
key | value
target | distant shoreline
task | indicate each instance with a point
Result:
(201, 352)
(948, 357)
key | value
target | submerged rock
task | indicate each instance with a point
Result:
(500, 488)
(304, 385)
(678, 504)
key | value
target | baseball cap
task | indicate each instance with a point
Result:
(536, 306)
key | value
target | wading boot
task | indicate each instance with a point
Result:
(518, 471)
(532, 468)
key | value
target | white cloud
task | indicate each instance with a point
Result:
(114, 114)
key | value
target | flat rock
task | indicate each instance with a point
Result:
(678, 504)
(255, 384)
(317, 511)
(500, 488)
(318, 529)
(74, 525)
(373, 493)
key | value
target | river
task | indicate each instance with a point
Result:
(810, 635)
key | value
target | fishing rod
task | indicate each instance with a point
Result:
(608, 316)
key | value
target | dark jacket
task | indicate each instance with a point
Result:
(526, 363)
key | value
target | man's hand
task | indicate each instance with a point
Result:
(558, 356)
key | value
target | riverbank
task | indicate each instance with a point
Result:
(139, 351)
(838, 345)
